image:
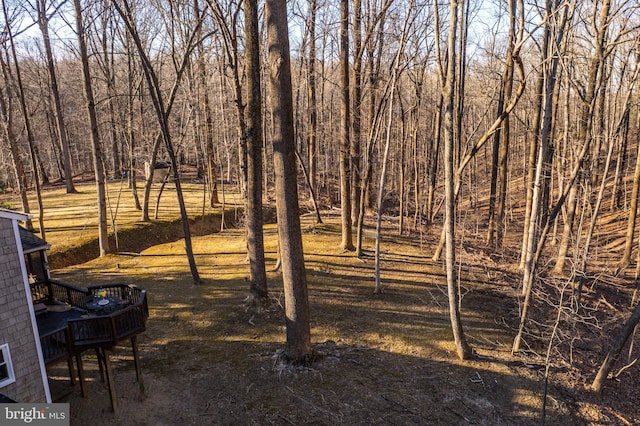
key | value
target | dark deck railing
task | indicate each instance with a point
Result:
(50, 291)
(107, 330)
(56, 346)
(92, 331)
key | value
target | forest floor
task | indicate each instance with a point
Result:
(381, 358)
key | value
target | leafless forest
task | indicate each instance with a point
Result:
(511, 122)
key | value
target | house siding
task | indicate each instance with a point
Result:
(15, 322)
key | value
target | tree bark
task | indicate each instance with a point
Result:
(587, 108)
(612, 356)
(43, 23)
(462, 347)
(313, 108)
(96, 147)
(162, 115)
(356, 122)
(297, 321)
(497, 198)
(345, 119)
(258, 292)
(18, 165)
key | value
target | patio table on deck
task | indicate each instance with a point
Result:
(98, 317)
(105, 305)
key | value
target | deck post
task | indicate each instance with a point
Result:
(83, 385)
(100, 358)
(110, 384)
(136, 362)
(72, 374)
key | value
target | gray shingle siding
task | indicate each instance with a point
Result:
(15, 322)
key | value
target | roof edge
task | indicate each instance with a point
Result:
(10, 214)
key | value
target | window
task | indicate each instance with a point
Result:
(6, 368)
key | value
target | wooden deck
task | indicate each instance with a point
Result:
(67, 328)
(76, 329)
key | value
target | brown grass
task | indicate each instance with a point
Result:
(383, 359)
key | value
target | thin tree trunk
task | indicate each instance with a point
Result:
(43, 23)
(532, 138)
(612, 356)
(131, 135)
(313, 109)
(356, 122)
(592, 225)
(462, 347)
(497, 200)
(258, 292)
(345, 119)
(6, 112)
(633, 209)
(162, 114)
(402, 167)
(381, 189)
(27, 125)
(96, 148)
(230, 39)
(585, 119)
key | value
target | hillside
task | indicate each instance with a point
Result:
(381, 359)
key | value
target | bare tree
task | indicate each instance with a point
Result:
(93, 125)
(395, 76)
(497, 197)
(255, 242)
(298, 348)
(61, 132)
(313, 107)
(345, 119)
(206, 115)
(463, 348)
(162, 109)
(6, 113)
(588, 97)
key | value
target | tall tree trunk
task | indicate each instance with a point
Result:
(108, 69)
(43, 23)
(592, 225)
(313, 108)
(463, 348)
(206, 114)
(96, 148)
(587, 109)
(345, 119)
(532, 139)
(503, 159)
(298, 348)
(162, 110)
(356, 122)
(229, 33)
(633, 209)
(402, 167)
(131, 134)
(433, 155)
(497, 198)
(471, 152)
(27, 125)
(395, 75)
(258, 292)
(6, 112)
